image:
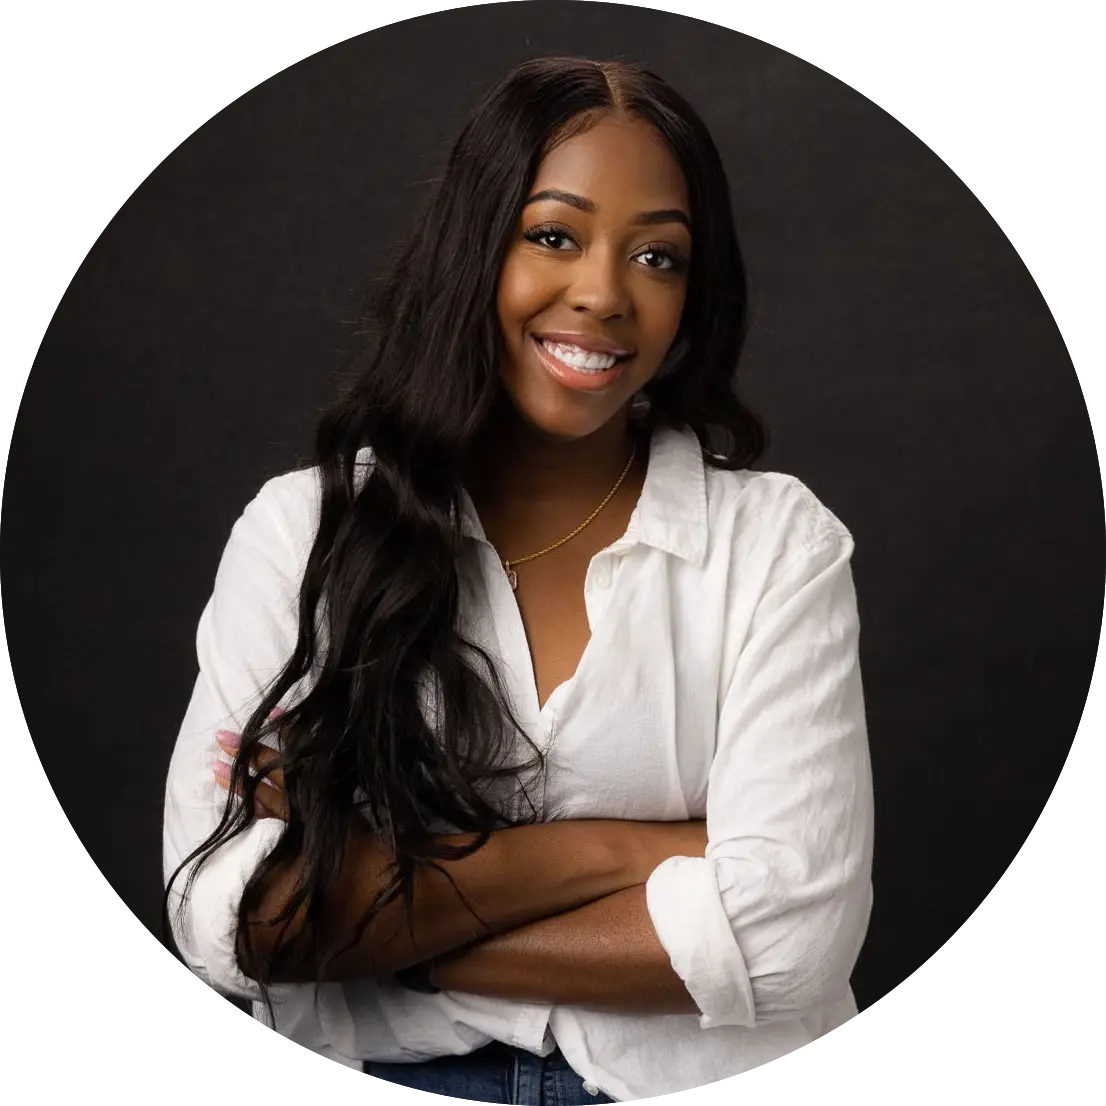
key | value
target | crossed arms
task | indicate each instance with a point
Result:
(562, 905)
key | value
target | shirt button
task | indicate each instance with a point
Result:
(590, 1087)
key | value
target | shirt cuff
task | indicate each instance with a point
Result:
(212, 909)
(686, 909)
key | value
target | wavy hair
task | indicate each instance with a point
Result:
(378, 641)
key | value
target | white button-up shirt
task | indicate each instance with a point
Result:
(721, 681)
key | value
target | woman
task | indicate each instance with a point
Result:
(572, 796)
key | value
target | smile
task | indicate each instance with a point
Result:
(576, 368)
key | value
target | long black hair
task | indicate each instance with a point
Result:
(404, 718)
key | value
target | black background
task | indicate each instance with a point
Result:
(1005, 1015)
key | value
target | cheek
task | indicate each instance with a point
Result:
(661, 312)
(523, 290)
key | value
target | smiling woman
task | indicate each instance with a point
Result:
(593, 287)
(527, 759)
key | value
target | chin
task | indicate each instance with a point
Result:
(563, 428)
(567, 418)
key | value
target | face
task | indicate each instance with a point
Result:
(594, 281)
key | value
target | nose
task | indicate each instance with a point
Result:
(598, 286)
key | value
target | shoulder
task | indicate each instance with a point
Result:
(254, 603)
(282, 519)
(771, 513)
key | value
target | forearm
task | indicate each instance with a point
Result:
(605, 955)
(521, 875)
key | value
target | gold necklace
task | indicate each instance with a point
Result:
(512, 576)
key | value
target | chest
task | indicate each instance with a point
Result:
(630, 732)
(612, 662)
(550, 596)
(550, 593)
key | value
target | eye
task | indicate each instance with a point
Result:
(663, 258)
(553, 238)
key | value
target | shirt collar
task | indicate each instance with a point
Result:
(671, 513)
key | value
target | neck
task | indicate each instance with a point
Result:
(516, 463)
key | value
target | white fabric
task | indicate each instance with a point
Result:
(721, 680)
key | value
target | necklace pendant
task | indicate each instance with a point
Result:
(512, 579)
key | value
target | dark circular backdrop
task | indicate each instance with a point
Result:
(901, 354)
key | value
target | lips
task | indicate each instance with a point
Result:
(586, 342)
(580, 380)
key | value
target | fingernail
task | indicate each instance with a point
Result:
(228, 739)
(222, 770)
(276, 712)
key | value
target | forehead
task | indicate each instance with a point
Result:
(618, 163)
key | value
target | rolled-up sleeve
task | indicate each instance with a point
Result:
(246, 634)
(768, 925)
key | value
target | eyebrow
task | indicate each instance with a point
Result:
(645, 218)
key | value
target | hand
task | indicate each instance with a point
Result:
(270, 800)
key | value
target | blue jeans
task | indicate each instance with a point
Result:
(494, 1073)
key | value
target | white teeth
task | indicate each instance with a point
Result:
(581, 359)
